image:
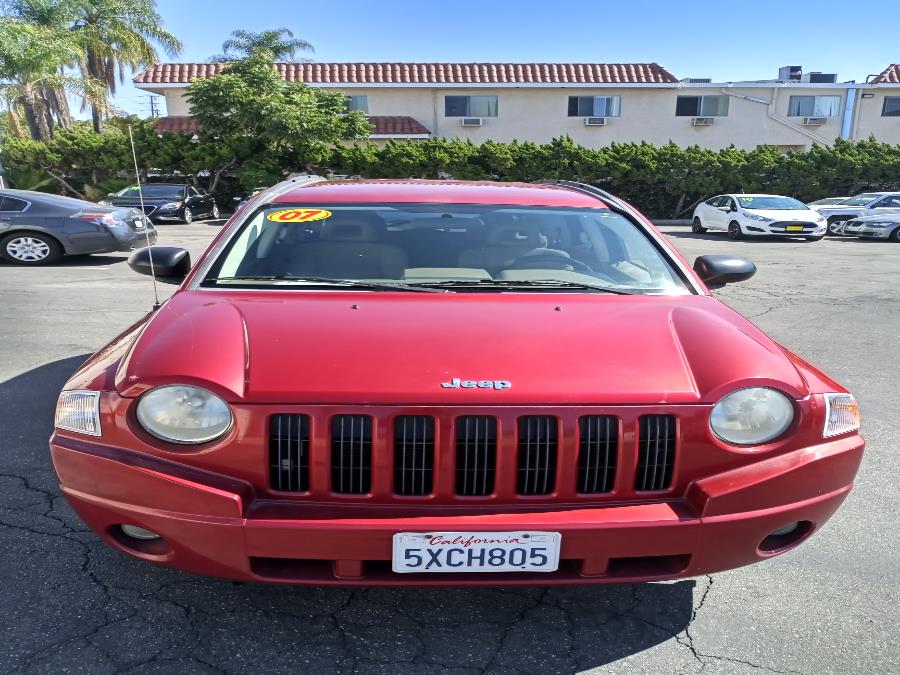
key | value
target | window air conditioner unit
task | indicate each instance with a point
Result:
(595, 121)
(702, 121)
(814, 121)
(471, 122)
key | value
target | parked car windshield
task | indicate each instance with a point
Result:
(772, 204)
(827, 201)
(457, 247)
(150, 190)
(861, 200)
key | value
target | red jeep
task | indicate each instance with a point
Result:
(433, 383)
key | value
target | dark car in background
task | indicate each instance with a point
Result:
(167, 202)
(38, 228)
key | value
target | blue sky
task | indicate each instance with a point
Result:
(723, 40)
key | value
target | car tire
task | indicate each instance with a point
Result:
(833, 221)
(30, 248)
(735, 232)
(215, 211)
(818, 238)
(895, 236)
(187, 216)
(697, 226)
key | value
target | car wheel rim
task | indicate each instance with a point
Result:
(28, 249)
(836, 227)
(733, 230)
(215, 212)
(188, 216)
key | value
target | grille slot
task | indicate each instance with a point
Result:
(538, 439)
(351, 454)
(413, 455)
(476, 455)
(656, 452)
(598, 451)
(289, 452)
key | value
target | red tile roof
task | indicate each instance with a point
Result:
(426, 73)
(176, 125)
(396, 125)
(382, 126)
(890, 75)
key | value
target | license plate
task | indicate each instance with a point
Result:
(794, 228)
(476, 552)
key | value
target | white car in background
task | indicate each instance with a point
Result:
(744, 215)
(865, 204)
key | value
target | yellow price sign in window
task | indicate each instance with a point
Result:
(298, 215)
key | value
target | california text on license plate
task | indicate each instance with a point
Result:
(476, 551)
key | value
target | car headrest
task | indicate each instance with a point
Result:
(515, 235)
(348, 231)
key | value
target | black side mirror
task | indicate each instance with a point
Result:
(170, 264)
(718, 270)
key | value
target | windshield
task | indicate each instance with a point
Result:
(151, 190)
(861, 200)
(828, 200)
(772, 204)
(454, 247)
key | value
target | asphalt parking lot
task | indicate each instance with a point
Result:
(73, 605)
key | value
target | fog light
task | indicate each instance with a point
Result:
(136, 532)
(787, 529)
(785, 537)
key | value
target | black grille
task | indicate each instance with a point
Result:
(351, 454)
(656, 452)
(598, 449)
(476, 455)
(149, 209)
(289, 452)
(413, 455)
(537, 455)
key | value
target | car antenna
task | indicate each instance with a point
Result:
(137, 177)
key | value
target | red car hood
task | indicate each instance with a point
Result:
(398, 348)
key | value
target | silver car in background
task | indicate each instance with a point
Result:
(886, 226)
(37, 228)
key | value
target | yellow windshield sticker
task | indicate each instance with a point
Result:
(298, 215)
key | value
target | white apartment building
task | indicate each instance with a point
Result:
(594, 103)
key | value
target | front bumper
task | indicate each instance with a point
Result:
(780, 230)
(870, 232)
(213, 525)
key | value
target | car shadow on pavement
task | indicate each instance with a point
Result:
(72, 601)
(721, 236)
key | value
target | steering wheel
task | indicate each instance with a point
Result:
(547, 260)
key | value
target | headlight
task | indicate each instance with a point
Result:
(183, 414)
(841, 414)
(751, 416)
(761, 219)
(879, 224)
(168, 206)
(819, 219)
(78, 411)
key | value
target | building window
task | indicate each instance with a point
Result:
(814, 106)
(360, 103)
(891, 106)
(701, 106)
(594, 106)
(470, 106)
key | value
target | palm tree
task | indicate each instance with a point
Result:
(32, 78)
(276, 45)
(116, 34)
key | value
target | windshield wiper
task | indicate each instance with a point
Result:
(526, 283)
(325, 281)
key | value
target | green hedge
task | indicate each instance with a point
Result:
(664, 181)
